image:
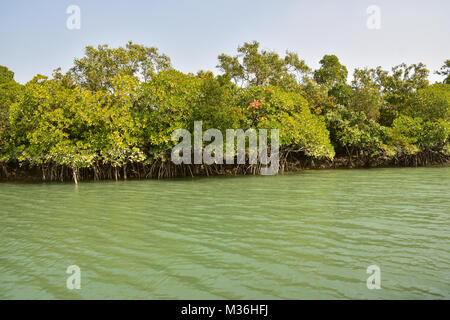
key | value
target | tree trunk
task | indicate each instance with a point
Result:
(75, 175)
(349, 156)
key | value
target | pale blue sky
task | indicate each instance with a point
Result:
(34, 37)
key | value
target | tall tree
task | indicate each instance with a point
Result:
(445, 71)
(333, 75)
(331, 71)
(100, 65)
(9, 93)
(367, 97)
(255, 67)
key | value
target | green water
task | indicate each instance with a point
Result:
(298, 236)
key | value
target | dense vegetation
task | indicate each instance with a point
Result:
(112, 114)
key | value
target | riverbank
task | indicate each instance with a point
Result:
(159, 169)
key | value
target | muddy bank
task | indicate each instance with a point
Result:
(159, 169)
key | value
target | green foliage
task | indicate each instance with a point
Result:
(354, 131)
(445, 71)
(255, 67)
(404, 80)
(429, 103)
(366, 97)
(173, 100)
(333, 75)
(165, 104)
(406, 134)
(275, 108)
(96, 70)
(9, 93)
(75, 127)
(411, 135)
(121, 106)
(46, 124)
(331, 71)
(218, 103)
(317, 96)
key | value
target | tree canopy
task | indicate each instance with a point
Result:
(116, 109)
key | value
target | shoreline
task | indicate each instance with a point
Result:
(15, 172)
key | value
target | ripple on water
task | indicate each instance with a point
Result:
(308, 235)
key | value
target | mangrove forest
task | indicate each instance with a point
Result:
(112, 114)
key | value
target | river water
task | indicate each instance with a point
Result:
(309, 235)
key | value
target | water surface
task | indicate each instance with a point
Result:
(310, 235)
